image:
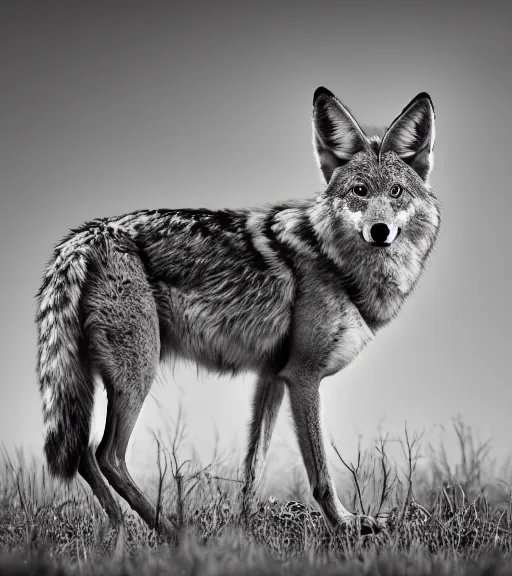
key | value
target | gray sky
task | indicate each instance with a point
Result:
(110, 107)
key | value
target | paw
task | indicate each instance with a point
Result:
(363, 525)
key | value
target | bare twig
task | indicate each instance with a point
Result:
(161, 476)
(353, 471)
(411, 450)
(387, 484)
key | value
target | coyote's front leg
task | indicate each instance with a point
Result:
(306, 409)
(268, 397)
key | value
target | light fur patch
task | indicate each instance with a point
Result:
(48, 399)
(49, 425)
(354, 218)
(354, 338)
(99, 412)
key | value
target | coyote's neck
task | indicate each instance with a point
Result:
(297, 229)
(379, 278)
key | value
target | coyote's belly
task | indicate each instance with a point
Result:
(241, 325)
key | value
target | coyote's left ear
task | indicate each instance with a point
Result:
(412, 135)
(336, 134)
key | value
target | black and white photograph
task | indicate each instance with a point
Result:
(255, 288)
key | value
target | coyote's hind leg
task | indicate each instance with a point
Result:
(90, 472)
(124, 347)
(122, 413)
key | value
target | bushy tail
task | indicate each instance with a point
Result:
(65, 383)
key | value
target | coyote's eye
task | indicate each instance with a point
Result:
(360, 190)
(396, 191)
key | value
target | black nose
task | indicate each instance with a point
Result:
(379, 232)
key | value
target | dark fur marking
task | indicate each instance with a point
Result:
(345, 280)
(280, 248)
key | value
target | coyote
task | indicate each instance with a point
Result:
(291, 291)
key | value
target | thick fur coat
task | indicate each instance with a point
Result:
(292, 292)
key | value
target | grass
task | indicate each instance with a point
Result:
(441, 519)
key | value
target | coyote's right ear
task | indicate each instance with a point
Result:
(336, 134)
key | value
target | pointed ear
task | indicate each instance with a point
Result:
(336, 135)
(412, 135)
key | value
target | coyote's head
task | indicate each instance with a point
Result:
(378, 198)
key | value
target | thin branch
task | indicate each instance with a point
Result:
(353, 471)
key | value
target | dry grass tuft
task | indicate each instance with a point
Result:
(439, 519)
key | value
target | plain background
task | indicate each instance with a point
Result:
(110, 107)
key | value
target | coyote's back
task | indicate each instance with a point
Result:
(292, 292)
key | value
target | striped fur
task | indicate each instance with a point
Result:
(292, 292)
(65, 384)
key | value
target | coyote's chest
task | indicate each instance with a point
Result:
(348, 342)
(385, 286)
